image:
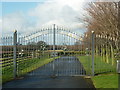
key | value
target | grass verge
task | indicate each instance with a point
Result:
(105, 81)
(105, 75)
(99, 66)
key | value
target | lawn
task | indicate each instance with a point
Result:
(99, 66)
(105, 73)
(106, 81)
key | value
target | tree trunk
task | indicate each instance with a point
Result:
(112, 54)
(107, 60)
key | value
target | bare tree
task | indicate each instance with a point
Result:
(103, 19)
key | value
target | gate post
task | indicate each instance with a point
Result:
(53, 47)
(118, 71)
(15, 54)
(54, 39)
(93, 49)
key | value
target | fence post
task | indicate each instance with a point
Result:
(53, 48)
(54, 39)
(15, 54)
(93, 49)
(118, 71)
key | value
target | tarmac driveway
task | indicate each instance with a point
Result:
(68, 73)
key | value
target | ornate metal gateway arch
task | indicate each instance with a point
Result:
(51, 51)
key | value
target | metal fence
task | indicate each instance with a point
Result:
(86, 55)
(106, 54)
(6, 60)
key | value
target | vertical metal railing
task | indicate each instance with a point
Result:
(118, 71)
(15, 54)
(27, 56)
(93, 49)
(106, 54)
(54, 48)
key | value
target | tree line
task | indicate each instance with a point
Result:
(104, 19)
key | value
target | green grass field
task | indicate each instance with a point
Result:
(106, 81)
(105, 74)
(99, 66)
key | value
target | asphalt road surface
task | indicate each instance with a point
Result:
(68, 73)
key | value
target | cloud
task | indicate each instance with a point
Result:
(107, 0)
(0, 26)
(13, 21)
(60, 12)
(16, 21)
